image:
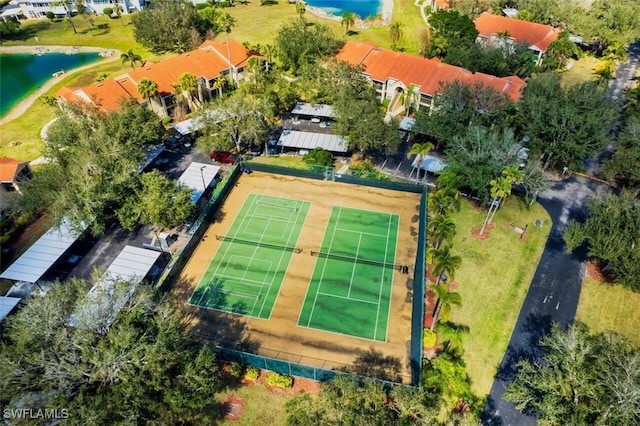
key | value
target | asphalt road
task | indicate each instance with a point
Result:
(553, 294)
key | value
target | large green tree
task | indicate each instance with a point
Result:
(451, 28)
(232, 120)
(164, 24)
(479, 155)
(155, 200)
(565, 126)
(144, 366)
(458, 106)
(624, 167)
(299, 42)
(612, 230)
(93, 158)
(582, 379)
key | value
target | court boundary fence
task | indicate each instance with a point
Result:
(220, 194)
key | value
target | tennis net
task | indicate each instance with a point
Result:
(277, 205)
(356, 260)
(258, 243)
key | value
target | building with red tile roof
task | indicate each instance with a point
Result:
(12, 172)
(394, 74)
(496, 29)
(209, 62)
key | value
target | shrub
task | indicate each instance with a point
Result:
(50, 15)
(237, 369)
(429, 338)
(107, 11)
(279, 380)
(166, 121)
(365, 169)
(251, 373)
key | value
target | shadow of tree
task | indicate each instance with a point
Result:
(375, 364)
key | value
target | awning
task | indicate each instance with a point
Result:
(406, 123)
(105, 299)
(314, 110)
(430, 164)
(38, 258)
(198, 177)
(308, 140)
(6, 305)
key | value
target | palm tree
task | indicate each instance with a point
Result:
(189, 85)
(442, 202)
(451, 336)
(66, 5)
(420, 150)
(410, 98)
(131, 57)
(445, 263)
(395, 32)
(348, 19)
(446, 299)
(499, 189)
(227, 22)
(442, 228)
(301, 8)
(148, 89)
(117, 8)
(218, 84)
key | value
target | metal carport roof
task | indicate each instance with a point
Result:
(308, 140)
(105, 299)
(42, 254)
(430, 164)
(198, 177)
(6, 306)
(315, 110)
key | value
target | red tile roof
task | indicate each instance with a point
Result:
(427, 74)
(208, 61)
(9, 168)
(536, 35)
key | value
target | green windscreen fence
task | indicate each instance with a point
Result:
(417, 314)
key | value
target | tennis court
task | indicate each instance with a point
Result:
(247, 271)
(350, 288)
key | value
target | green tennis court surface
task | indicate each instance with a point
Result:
(247, 271)
(350, 288)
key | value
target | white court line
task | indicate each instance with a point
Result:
(347, 231)
(386, 250)
(349, 298)
(324, 267)
(353, 266)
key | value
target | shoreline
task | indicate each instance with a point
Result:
(386, 11)
(22, 106)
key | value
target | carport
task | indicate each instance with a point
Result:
(38, 258)
(105, 300)
(198, 177)
(309, 111)
(430, 164)
(308, 141)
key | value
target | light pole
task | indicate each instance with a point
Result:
(204, 185)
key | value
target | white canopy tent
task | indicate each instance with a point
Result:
(308, 140)
(198, 177)
(106, 299)
(38, 258)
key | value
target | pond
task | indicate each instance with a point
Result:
(362, 8)
(23, 73)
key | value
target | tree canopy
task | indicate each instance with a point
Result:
(144, 367)
(300, 42)
(565, 126)
(624, 167)
(612, 230)
(582, 379)
(93, 162)
(451, 28)
(164, 25)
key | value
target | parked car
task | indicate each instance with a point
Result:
(223, 157)
(272, 147)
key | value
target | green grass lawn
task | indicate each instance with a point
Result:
(581, 71)
(261, 406)
(609, 307)
(493, 281)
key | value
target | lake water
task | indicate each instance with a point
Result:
(21, 74)
(362, 8)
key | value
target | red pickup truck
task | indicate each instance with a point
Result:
(223, 157)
